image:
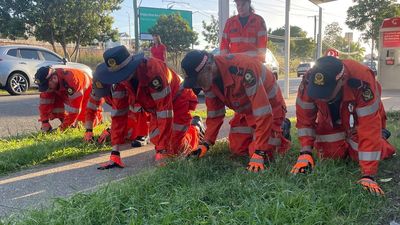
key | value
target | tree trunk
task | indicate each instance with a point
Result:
(64, 46)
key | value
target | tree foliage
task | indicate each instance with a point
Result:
(367, 16)
(333, 38)
(175, 33)
(210, 33)
(303, 48)
(62, 21)
(12, 19)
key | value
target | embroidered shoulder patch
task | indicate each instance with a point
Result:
(70, 91)
(249, 78)
(156, 84)
(367, 94)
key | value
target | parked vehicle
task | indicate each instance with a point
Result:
(19, 63)
(270, 59)
(372, 65)
(303, 68)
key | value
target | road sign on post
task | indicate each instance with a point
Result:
(148, 18)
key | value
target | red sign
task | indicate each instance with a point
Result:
(391, 39)
(391, 22)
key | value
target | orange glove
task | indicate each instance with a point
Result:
(103, 136)
(257, 161)
(46, 127)
(88, 136)
(305, 163)
(370, 185)
(199, 152)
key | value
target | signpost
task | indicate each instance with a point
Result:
(148, 18)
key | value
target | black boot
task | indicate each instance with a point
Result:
(286, 125)
(197, 121)
(140, 141)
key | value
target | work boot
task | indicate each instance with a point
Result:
(162, 157)
(140, 141)
(286, 125)
(197, 122)
(115, 161)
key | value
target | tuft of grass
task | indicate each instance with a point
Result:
(218, 190)
(22, 152)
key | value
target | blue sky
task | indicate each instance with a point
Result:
(273, 12)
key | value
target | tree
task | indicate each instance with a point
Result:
(210, 33)
(301, 47)
(333, 38)
(367, 16)
(175, 34)
(72, 21)
(12, 19)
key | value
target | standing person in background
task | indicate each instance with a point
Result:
(158, 50)
(245, 32)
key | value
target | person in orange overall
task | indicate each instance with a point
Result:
(339, 114)
(158, 50)
(64, 96)
(245, 33)
(137, 129)
(250, 89)
(149, 82)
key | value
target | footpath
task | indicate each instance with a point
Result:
(36, 187)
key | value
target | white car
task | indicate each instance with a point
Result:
(19, 63)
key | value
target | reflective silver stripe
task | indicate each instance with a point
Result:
(262, 111)
(162, 94)
(116, 147)
(76, 95)
(165, 114)
(118, 94)
(262, 50)
(251, 53)
(305, 105)
(58, 110)
(262, 33)
(257, 160)
(272, 93)
(225, 35)
(242, 130)
(368, 110)
(135, 108)
(217, 113)
(210, 94)
(89, 124)
(250, 91)
(90, 105)
(243, 39)
(353, 144)
(263, 73)
(331, 137)
(303, 132)
(274, 141)
(243, 108)
(47, 101)
(71, 109)
(119, 112)
(223, 52)
(306, 149)
(369, 156)
(154, 133)
(179, 127)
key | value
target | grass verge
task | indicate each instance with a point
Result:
(22, 152)
(203, 113)
(218, 190)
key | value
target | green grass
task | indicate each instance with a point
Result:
(22, 152)
(218, 190)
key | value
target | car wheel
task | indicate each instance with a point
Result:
(17, 84)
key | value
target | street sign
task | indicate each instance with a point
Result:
(317, 2)
(148, 18)
(348, 36)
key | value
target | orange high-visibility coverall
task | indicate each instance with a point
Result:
(250, 39)
(158, 90)
(358, 130)
(250, 89)
(137, 118)
(69, 102)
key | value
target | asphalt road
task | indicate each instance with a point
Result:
(19, 114)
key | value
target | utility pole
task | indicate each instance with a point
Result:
(136, 18)
(319, 48)
(315, 35)
(287, 49)
(129, 30)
